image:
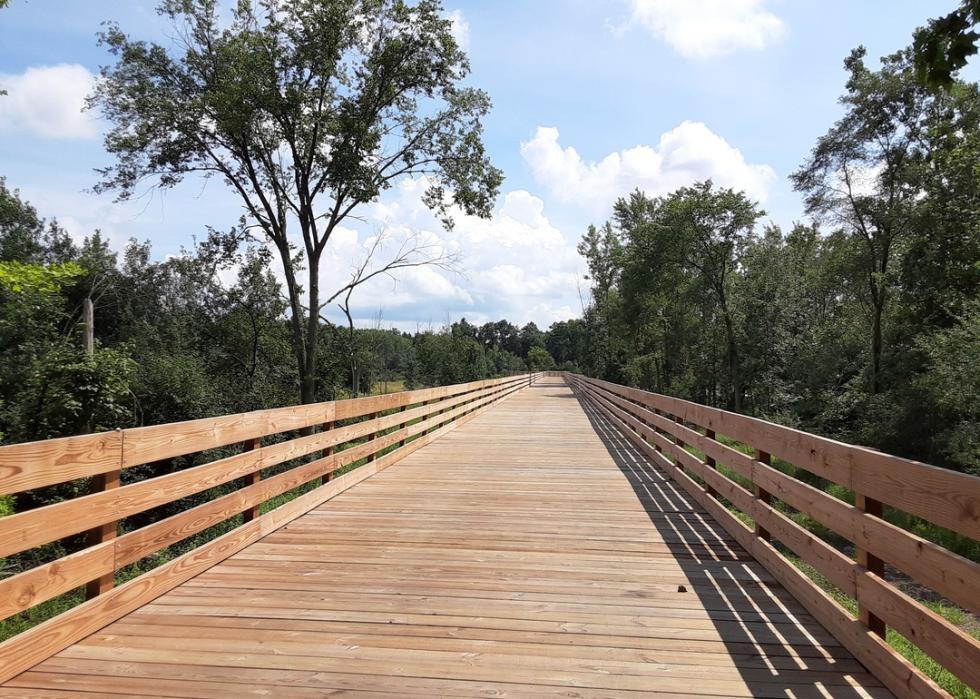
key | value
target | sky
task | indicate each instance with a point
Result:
(591, 99)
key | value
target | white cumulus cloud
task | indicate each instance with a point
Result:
(701, 29)
(687, 153)
(460, 29)
(47, 101)
(515, 265)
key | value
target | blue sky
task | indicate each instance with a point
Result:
(591, 99)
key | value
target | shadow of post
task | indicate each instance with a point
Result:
(777, 647)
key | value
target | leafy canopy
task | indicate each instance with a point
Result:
(306, 109)
(291, 100)
(944, 45)
(20, 276)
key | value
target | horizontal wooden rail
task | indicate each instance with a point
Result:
(376, 431)
(684, 439)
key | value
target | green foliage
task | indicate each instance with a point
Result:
(943, 47)
(173, 342)
(538, 359)
(864, 331)
(867, 330)
(951, 383)
(567, 341)
(25, 237)
(447, 358)
(69, 392)
(940, 675)
(20, 277)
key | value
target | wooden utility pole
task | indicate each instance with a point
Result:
(88, 326)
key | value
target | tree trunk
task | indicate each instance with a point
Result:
(296, 323)
(308, 374)
(876, 347)
(735, 402)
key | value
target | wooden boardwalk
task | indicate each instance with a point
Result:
(530, 552)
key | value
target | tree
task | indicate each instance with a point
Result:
(940, 267)
(530, 337)
(463, 328)
(864, 175)
(538, 359)
(49, 386)
(567, 342)
(414, 251)
(952, 383)
(501, 334)
(307, 110)
(27, 238)
(700, 231)
(602, 251)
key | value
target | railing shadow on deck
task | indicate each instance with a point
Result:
(725, 595)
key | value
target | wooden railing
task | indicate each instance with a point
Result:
(687, 440)
(300, 444)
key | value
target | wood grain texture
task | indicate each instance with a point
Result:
(37, 464)
(530, 552)
(27, 649)
(31, 587)
(27, 589)
(890, 667)
(928, 563)
(36, 527)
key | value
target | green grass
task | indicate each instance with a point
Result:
(382, 387)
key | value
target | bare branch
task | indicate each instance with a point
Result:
(413, 251)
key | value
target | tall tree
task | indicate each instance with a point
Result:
(306, 109)
(702, 231)
(602, 250)
(864, 175)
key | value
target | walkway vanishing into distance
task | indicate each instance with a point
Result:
(532, 551)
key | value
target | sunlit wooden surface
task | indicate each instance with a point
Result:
(530, 552)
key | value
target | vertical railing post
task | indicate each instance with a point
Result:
(106, 532)
(680, 442)
(641, 420)
(710, 461)
(251, 479)
(373, 435)
(327, 451)
(761, 494)
(402, 426)
(871, 563)
(656, 445)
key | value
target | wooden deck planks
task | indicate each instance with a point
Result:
(529, 553)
